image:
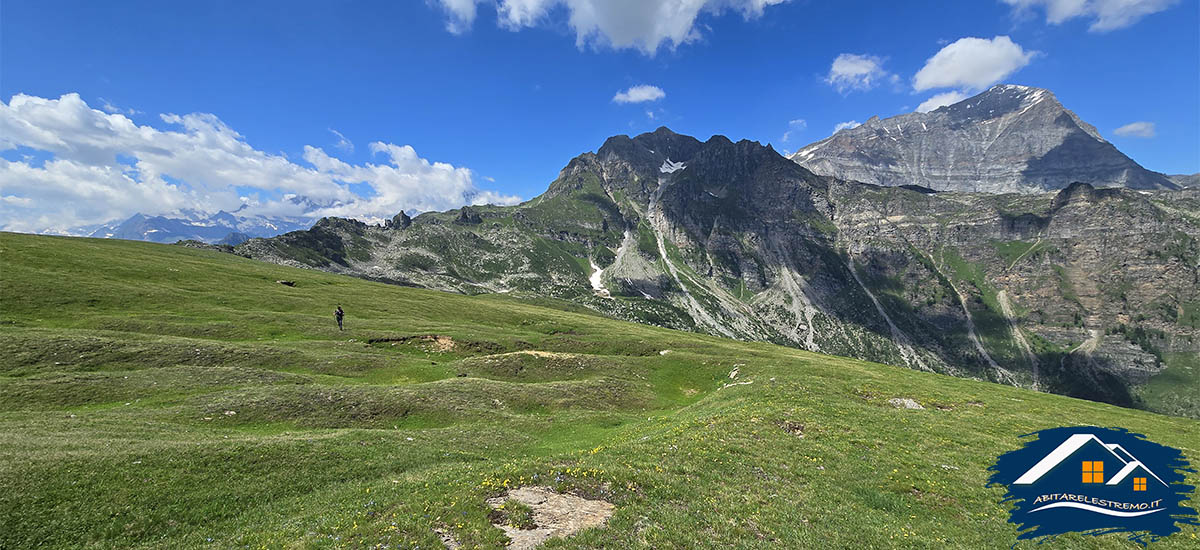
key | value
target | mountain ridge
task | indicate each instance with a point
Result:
(130, 366)
(734, 239)
(1007, 139)
(220, 228)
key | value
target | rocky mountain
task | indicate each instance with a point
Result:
(1088, 292)
(1186, 180)
(1009, 139)
(222, 227)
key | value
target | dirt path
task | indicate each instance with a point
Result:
(535, 353)
(1026, 252)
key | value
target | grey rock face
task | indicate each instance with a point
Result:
(1080, 291)
(1009, 139)
(399, 221)
(467, 216)
(1186, 180)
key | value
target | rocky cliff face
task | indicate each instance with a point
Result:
(1009, 139)
(1083, 291)
(1186, 180)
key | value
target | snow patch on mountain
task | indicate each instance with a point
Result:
(669, 167)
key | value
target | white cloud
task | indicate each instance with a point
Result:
(642, 24)
(113, 109)
(19, 201)
(1106, 15)
(639, 94)
(972, 64)
(1139, 129)
(342, 143)
(846, 125)
(796, 125)
(460, 14)
(403, 179)
(851, 72)
(941, 100)
(104, 166)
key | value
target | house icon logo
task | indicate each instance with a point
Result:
(1096, 481)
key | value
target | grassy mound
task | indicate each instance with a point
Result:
(162, 397)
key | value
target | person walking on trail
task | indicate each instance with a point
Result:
(338, 314)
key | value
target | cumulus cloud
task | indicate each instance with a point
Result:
(460, 14)
(641, 24)
(1139, 129)
(941, 100)
(97, 167)
(851, 72)
(846, 125)
(1106, 15)
(639, 94)
(972, 64)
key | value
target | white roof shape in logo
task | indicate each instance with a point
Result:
(1076, 442)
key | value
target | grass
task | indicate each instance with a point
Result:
(161, 397)
(1012, 251)
(1065, 287)
(991, 325)
(647, 243)
(514, 513)
(1173, 389)
(1189, 315)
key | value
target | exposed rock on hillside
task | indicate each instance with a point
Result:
(1081, 291)
(1009, 139)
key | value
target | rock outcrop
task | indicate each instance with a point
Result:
(1081, 291)
(399, 221)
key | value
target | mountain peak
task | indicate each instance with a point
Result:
(1019, 89)
(1002, 100)
(650, 148)
(1027, 94)
(1007, 139)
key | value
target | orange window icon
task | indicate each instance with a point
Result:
(1093, 471)
(1139, 484)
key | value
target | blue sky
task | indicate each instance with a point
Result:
(508, 97)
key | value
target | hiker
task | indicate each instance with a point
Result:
(338, 314)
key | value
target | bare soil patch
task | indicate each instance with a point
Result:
(554, 515)
(431, 342)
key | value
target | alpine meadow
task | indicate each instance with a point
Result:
(184, 398)
(588, 274)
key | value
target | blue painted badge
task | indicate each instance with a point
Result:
(1095, 481)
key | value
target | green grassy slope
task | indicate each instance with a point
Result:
(1174, 390)
(160, 397)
